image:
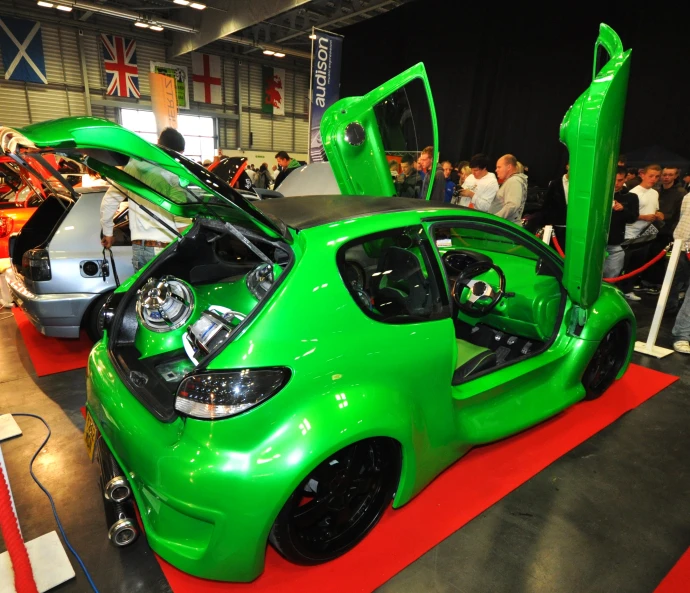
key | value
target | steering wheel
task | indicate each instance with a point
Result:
(478, 289)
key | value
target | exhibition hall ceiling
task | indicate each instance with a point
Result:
(190, 24)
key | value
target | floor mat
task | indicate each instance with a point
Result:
(678, 580)
(52, 355)
(466, 489)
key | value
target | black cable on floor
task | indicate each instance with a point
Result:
(52, 503)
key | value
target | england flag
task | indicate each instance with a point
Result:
(120, 62)
(21, 45)
(206, 78)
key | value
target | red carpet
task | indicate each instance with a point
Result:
(466, 489)
(52, 355)
(678, 580)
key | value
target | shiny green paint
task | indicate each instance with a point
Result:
(592, 130)
(363, 170)
(209, 492)
(352, 378)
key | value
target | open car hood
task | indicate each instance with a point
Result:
(107, 147)
(353, 136)
(591, 130)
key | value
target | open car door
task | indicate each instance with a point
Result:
(362, 135)
(591, 130)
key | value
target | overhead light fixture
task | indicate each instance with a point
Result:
(279, 54)
(141, 25)
(64, 8)
(156, 28)
(269, 52)
(197, 5)
(181, 2)
(44, 4)
(312, 36)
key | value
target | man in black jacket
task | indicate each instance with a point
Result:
(626, 207)
(426, 160)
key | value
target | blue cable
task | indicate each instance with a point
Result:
(52, 503)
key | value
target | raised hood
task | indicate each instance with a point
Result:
(358, 139)
(591, 130)
(187, 189)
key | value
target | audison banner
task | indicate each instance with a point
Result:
(325, 85)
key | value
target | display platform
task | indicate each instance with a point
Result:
(52, 355)
(462, 492)
(677, 581)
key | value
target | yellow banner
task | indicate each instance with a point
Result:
(163, 100)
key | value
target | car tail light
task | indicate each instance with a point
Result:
(6, 226)
(223, 394)
(36, 264)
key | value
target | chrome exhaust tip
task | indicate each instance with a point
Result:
(123, 532)
(117, 489)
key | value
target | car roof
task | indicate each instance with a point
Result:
(305, 212)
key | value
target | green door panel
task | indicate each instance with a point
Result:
(591, 130)
(359, 164)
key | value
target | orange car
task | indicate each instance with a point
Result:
(20, 195)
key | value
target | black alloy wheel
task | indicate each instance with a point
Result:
(93, 324)
(338, 503)
(607, 360)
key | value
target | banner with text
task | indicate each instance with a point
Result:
(325, 86)
(163, 101)
(179, 73)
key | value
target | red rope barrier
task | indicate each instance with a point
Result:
(557, 247)
(23, 575)
(636, 272)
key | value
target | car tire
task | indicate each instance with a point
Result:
(607, 361)
(338, 503)
(92, 319)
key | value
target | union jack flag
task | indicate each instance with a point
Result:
(120, 61)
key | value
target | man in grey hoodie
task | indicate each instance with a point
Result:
(510, 199)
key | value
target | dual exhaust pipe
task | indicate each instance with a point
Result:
(120, 518)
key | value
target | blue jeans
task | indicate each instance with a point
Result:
(681, 329)
(613, 264)
(142, 255)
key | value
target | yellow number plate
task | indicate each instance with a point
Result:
(90, 435)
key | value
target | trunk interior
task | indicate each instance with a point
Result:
(210, 265)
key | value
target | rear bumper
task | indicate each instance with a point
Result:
(54, 315)
(206, 509)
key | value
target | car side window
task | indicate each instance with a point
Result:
(392, 276)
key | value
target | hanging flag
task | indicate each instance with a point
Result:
(21, 45)
(206, 78)
(120, 61)
(179, 73)
(325, 85)
(274, 90)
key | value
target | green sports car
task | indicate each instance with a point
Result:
(288, 367)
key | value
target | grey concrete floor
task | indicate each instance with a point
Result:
(610, 516)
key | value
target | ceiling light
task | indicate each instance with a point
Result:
(181, 2)
(197, 6)
(141, 24)
(312, 36)
(279, 54)
(156, 28)
(44, 4)
(269, 52)
(63, 7)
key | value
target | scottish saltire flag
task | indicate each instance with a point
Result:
(120, 62)
(21, 45)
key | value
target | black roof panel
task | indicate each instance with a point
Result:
(310, 211)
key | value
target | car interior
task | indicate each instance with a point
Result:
(506, 298)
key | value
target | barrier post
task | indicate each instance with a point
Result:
(546, 237)
(649, 347)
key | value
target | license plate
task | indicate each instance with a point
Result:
(90, 435)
